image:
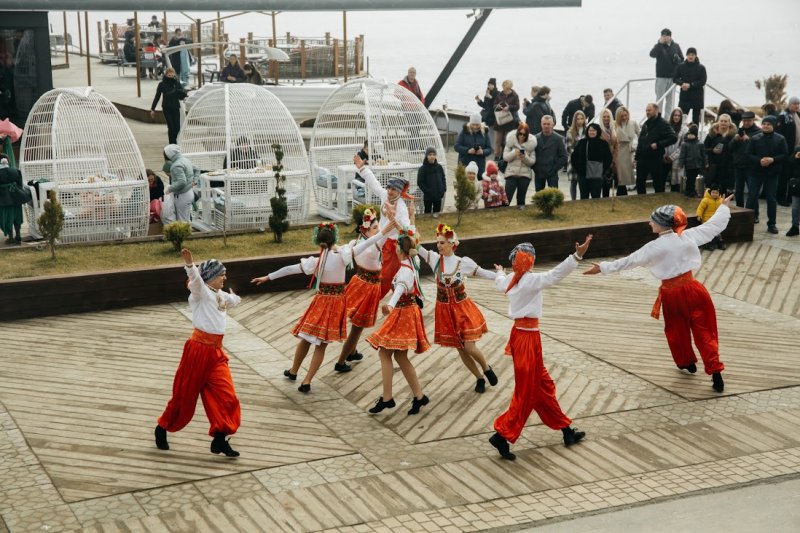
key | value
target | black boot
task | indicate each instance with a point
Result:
(718, 384)
(289, 375)
(689, 368)
(501, 444)
(491, 377)
(480, 386)
(794, 231)
(355, 356)
(342, 367)
(220, 445)
(572, 435)
(305, 388)
(380, 405)
(675, 187)
(161, 438)
(721, 244)
(416, 404)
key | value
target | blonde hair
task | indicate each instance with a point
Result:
(618, 115)
(170, 70)
(509, 83)
(573, 128)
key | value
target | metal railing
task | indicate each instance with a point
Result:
(443, 111)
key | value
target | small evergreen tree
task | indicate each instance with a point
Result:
(466, 192)
(548, 200)
(51, 221)
(278, 222)
(177, 232)
(774, 89)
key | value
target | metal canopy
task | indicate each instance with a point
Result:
(276, 5)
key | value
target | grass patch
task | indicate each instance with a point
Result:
(83, 259)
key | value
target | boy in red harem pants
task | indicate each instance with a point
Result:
(534, 390)
(688, 309)
(203, 370)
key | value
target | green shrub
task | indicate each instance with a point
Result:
(548, 200)
(51, 221)
(466, 192)
(278, 220)
(176, 233)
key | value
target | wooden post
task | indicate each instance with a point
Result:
(220, 36)
(302, 59)
(99, 37)
(242, 52)
(274, 34)
(288, 39)
(327, 38)
(88, 55)
(80, 36)
(106, 29)
(199, 54)
(165, 30)
(357, 56)
(249, 37)
(138, 58)
(361, 54)
(66, 44)
(114, 39)
(335, 58)
(344, 27)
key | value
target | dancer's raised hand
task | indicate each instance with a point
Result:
(595, 269)
(187, 256)
(358, 162)
(580, 249)
(727, 200)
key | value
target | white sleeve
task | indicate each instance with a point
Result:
(471, 268)
(428, 256)
(373, 183)
(286, 271)
(399, 290)
(232, 299)
(502, 280)
(715, 225)
(196, 284)
(641, 257)
(363, 245)
(551, 277)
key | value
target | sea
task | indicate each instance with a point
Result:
(575, 51)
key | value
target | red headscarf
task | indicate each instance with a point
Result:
(523, 262)
(679, 221)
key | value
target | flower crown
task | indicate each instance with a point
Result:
(447, 232)
(328, 226)
(408, 232)
(368, 218)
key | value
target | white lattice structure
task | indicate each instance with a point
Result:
(76, 143)
(397, 127)
(238, 197)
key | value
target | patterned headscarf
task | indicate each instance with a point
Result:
(522, 258)
(670, 216)
(211, 269)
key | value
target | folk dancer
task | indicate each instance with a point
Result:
(688, 309)
(534, 389)
(325, 320)
(203, 370)
(391, 197)
(403, 328)
(459, 322)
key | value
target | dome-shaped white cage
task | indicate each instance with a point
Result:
(77, 143)
(229, 134)
(397, 128)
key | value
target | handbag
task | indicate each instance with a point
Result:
(20, 195)
(594, 169)
(503, 116)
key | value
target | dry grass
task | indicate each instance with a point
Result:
(83, 259)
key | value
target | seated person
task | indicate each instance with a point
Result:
(156, 187)
(243, 156)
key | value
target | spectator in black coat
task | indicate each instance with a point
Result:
(173, 92)
(738, 147)
(551, 155)
(655, 136)
(487, 102)
(691, 77)
(788, 123)
(538, 108)
(767, 152)
(232, 73)
(611, 102)
(668, 55)
(473, 144)
(431, 181)
(175, 57)
(591, 149)
(129, 50)
(582, 103)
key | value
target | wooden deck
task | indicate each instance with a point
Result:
(79, 396)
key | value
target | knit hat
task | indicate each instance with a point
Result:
(430, 150)
(771, 119)
(522, 258)
(666, 31)
(211, 269)
(492, 81)
(691, 50)
(670, 216)
(693, 130)
(472, 168)
(397, 182)
(475, 118)
(491, 170)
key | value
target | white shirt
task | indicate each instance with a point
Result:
(205, 304)
(370, 259)
(335, 265)
(525, 299)
(401, 212)
(467, 266)
(403, 282)
(671, 255)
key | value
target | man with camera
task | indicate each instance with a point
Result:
(738, 147)
(668, 55)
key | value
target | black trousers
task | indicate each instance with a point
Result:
(590, 187)
(695, 113)
(518, 184)
(173, 118)
(740, 176)
(691, 178)
(653, 168)
(432, 206)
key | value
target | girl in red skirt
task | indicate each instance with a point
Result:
(688, 309)
(534, 390)
(363, 293)
(459, 322)
(325, 320)
(403, 328)
(392, 197)
(203, 370)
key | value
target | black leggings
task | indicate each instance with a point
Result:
(173, 118)
(432, 206)
(518, 184)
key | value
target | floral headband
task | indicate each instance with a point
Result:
(409, 232)
(368, 218)
(333, 228)
(448, 233)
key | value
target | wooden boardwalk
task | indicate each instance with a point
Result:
(79, 396)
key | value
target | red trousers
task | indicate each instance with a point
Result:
(390, 264)
(534, 390)
(689, 311)
(203, 371)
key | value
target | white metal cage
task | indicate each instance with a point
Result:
(77, 143)
(396, 126)
(237, 183)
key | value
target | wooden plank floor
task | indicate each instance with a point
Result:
(80, 394)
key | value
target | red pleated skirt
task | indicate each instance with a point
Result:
(363, 296)
(326, 317)
(403, 329)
